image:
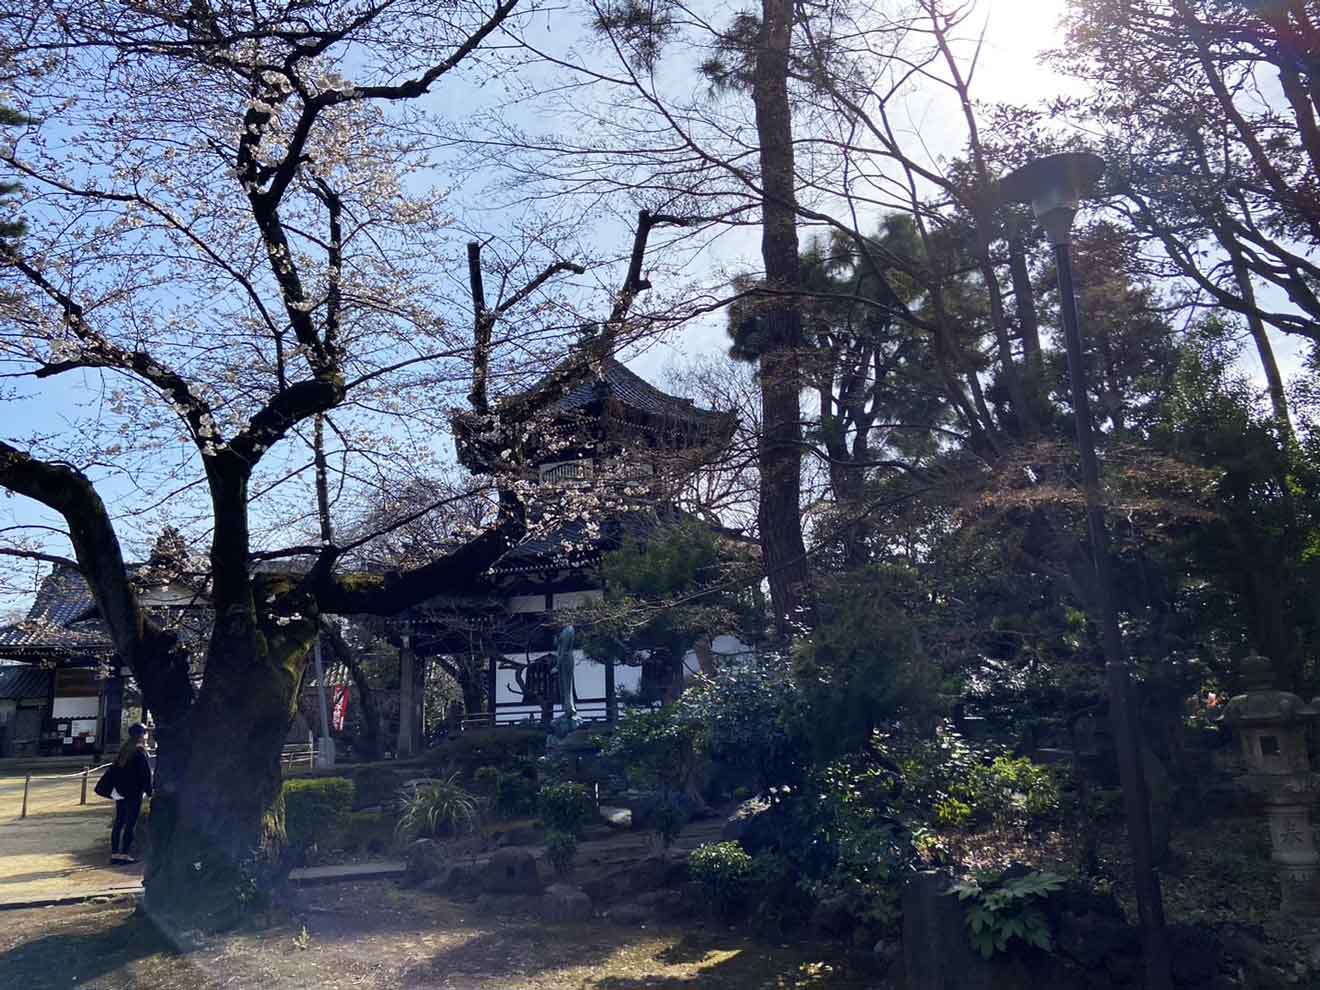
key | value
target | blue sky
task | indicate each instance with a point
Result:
(1008, 72)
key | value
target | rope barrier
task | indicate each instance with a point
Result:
(70, 776)
(84, 773)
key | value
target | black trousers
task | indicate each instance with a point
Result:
(126, 816)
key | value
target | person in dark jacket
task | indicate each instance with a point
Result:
(131, 778)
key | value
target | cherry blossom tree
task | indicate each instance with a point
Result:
(240, 261)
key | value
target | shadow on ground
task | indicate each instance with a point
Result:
(81, 953)
(515, 949)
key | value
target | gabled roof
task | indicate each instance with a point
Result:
(575, 544)
(20, 681)
(616, 381)
(62, 620)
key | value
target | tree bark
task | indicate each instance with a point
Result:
(1028, 326)
(779, 516)
(1273, 379)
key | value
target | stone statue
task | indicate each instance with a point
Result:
(564, 655)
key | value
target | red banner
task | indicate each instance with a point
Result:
(339, 710)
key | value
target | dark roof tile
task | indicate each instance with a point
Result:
(21, 681)
(629, 388)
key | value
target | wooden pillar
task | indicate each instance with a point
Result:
(112, 717)
(419, 703)
(491, 685)
(611, 696)
(407, 699)
(547, 678)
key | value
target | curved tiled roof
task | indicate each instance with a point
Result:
(63, 619)
(20, 682)
(627, 387)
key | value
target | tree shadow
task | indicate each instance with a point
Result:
(749, 968)
(521, 949)
(86, 952)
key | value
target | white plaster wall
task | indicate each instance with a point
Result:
(576, 599)
(588, 681)
(527, 603)
(76, 708)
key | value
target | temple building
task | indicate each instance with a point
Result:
(605, 468)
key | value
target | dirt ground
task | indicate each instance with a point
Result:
(62, 848)
(378, 936)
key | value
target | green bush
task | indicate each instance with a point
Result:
(565, 807)
(507, 793)
(315, 810)
(782, 902)
(749, 716)
(497, 747)
(670, 818)
(561, 850)
(844, 838)
(486, 782)
(435, 808)
(1015, 791)
(374, 786)
(367, 831)
(999, 910)
(659, 749)
(516, 794)
(949, 782)
(724, 870)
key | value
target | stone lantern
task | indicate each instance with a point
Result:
(1271, 726)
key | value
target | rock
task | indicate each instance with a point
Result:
(520, 835)
(511, 871)
(453, 879)
(1193, 954)
(564, 904)
(1079, 898)
(658, 873)
(424, 860)
(937, 954)
(630, 914)
(754, 825)
(1090, 939)
(647, 807)
(616, 817)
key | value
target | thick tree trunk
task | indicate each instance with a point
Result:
(1033, 378)
(779, 516)
(217, 832)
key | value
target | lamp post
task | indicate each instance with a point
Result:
(1055, 187)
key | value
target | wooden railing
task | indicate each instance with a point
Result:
(567, 471)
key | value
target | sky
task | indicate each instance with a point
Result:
(1008, 71)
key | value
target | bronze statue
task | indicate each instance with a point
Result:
(564, 655)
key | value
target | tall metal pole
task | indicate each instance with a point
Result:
(325, 752)
(1150, 905)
